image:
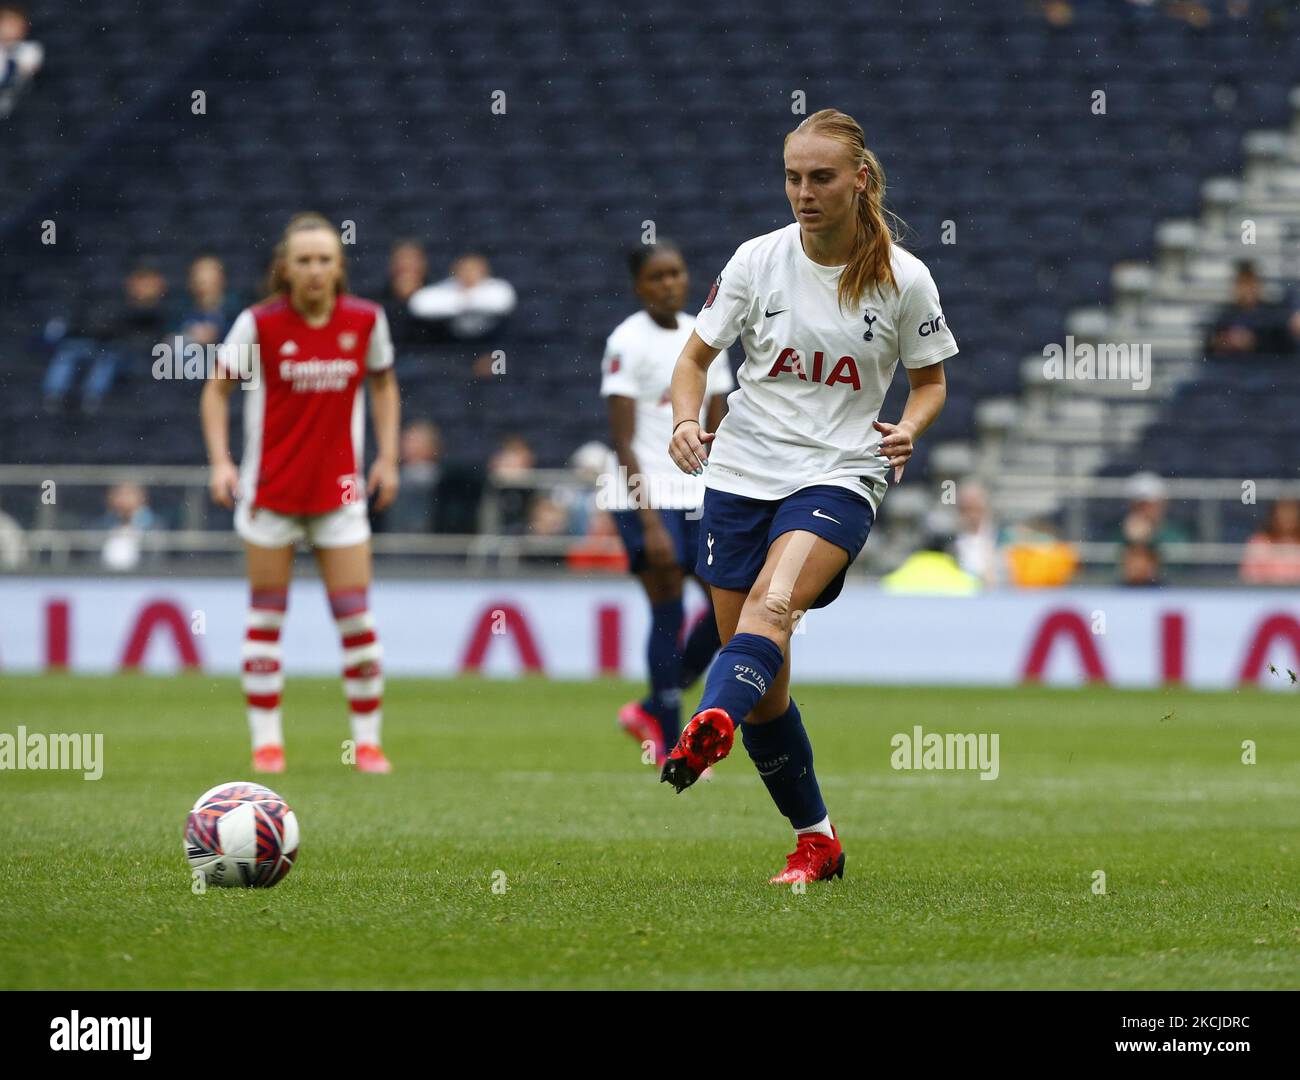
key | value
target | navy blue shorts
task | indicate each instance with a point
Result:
(682, 525)
(736, 531)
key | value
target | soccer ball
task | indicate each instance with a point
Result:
(241, 834)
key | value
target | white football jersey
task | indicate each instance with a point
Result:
(639, 359)
(814, 376)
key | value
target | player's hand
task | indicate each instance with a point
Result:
(382, 486)
(659, 547)
(223, 483)
(895, 445)
(689, 447)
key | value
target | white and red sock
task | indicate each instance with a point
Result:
(363, 675)
(262, 677)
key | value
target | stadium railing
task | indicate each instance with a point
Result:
(60, 511)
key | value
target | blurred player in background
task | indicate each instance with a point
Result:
(659, 520)
(826, 307)
(299, 478)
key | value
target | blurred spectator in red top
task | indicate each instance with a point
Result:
(600, 548)
(1272, 555)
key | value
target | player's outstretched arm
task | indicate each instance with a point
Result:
(929, 390)
(690, 380)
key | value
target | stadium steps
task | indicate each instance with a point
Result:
(1081, 428)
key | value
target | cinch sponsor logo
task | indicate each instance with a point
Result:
(931, 326)
(60, 752)
(844, 370)
(309, 376)
(77, 1032)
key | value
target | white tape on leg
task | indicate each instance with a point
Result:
(787, 571)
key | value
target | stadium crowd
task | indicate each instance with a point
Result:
(95, 352)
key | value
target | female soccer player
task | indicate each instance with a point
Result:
(303, 354)
(826, 307)
(659, 519)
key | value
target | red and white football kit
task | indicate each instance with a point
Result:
(304, 420)
(301, 479)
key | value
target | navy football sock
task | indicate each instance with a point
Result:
(746, 666)
(783, 756)
(701, 643)
(665, 661)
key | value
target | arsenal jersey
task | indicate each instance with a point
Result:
(304, 403)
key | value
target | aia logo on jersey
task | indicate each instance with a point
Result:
(713, 292)
(844, 370)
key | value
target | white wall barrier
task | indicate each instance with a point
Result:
(581, 629)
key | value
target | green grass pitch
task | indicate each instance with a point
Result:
(613, 881)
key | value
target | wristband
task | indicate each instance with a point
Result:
(688, 420)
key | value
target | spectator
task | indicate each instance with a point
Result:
(211, 308)
(513, 456)
(1248, 326)
(420, 453)
(546, 517)
(1037, 558)
(470, 306)
(976, 545)
(408, 272)
(127, 520)
(600, 547)
(1057, 13)
(593, 464)
(548, 521)
(20, 59)
(932, 569)
(508, 468)
(13, 544)
(127, 330)
(1145, 521)
(1272, 556)
(1139, 565)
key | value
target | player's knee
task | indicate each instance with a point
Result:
(774, 613)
